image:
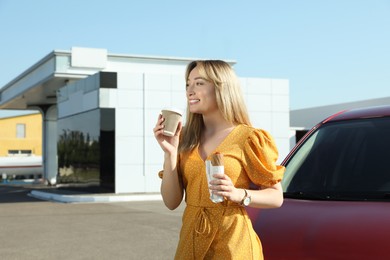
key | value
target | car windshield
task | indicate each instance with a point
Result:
(346, 160)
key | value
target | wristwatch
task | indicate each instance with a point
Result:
(246, 200)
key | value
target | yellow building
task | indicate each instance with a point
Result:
(21, 135)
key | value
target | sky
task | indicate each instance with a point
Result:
(331, 51)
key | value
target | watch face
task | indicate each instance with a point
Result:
(247, 201)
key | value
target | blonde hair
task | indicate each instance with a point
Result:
(229, 97)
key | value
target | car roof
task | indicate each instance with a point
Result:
(366, 112)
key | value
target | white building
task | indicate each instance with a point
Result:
(99, 110)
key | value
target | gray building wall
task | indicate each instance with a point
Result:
(309, 117)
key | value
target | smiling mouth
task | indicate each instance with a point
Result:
(193, 101)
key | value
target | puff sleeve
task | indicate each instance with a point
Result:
(260, 155)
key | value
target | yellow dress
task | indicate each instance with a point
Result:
(224, 230)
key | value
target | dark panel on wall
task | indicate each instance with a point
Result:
(86, 149)
(108, 80)
(79, 148)
(107, 148)
(299, 134)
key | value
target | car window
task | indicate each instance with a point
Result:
(343, 160)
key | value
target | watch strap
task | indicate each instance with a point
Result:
(243, 199)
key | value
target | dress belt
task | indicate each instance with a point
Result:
(202, 226)
(203, 223)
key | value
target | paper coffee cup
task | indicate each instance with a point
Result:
(172, 118)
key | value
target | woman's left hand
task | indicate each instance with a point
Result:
(223, 185)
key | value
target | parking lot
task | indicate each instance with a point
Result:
(36, 229)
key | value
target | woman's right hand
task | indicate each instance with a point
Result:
(169, 144)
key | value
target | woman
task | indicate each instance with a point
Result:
(218, 122)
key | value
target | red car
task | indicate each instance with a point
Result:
(336, 190)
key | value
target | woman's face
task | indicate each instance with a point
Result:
(200, 94)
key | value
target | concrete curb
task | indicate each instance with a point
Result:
(93, 198)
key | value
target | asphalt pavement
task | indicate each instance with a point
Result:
(32, 228)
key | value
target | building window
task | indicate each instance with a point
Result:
(19, 152)
(20, 130)
(13, 152)
(25, 152)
